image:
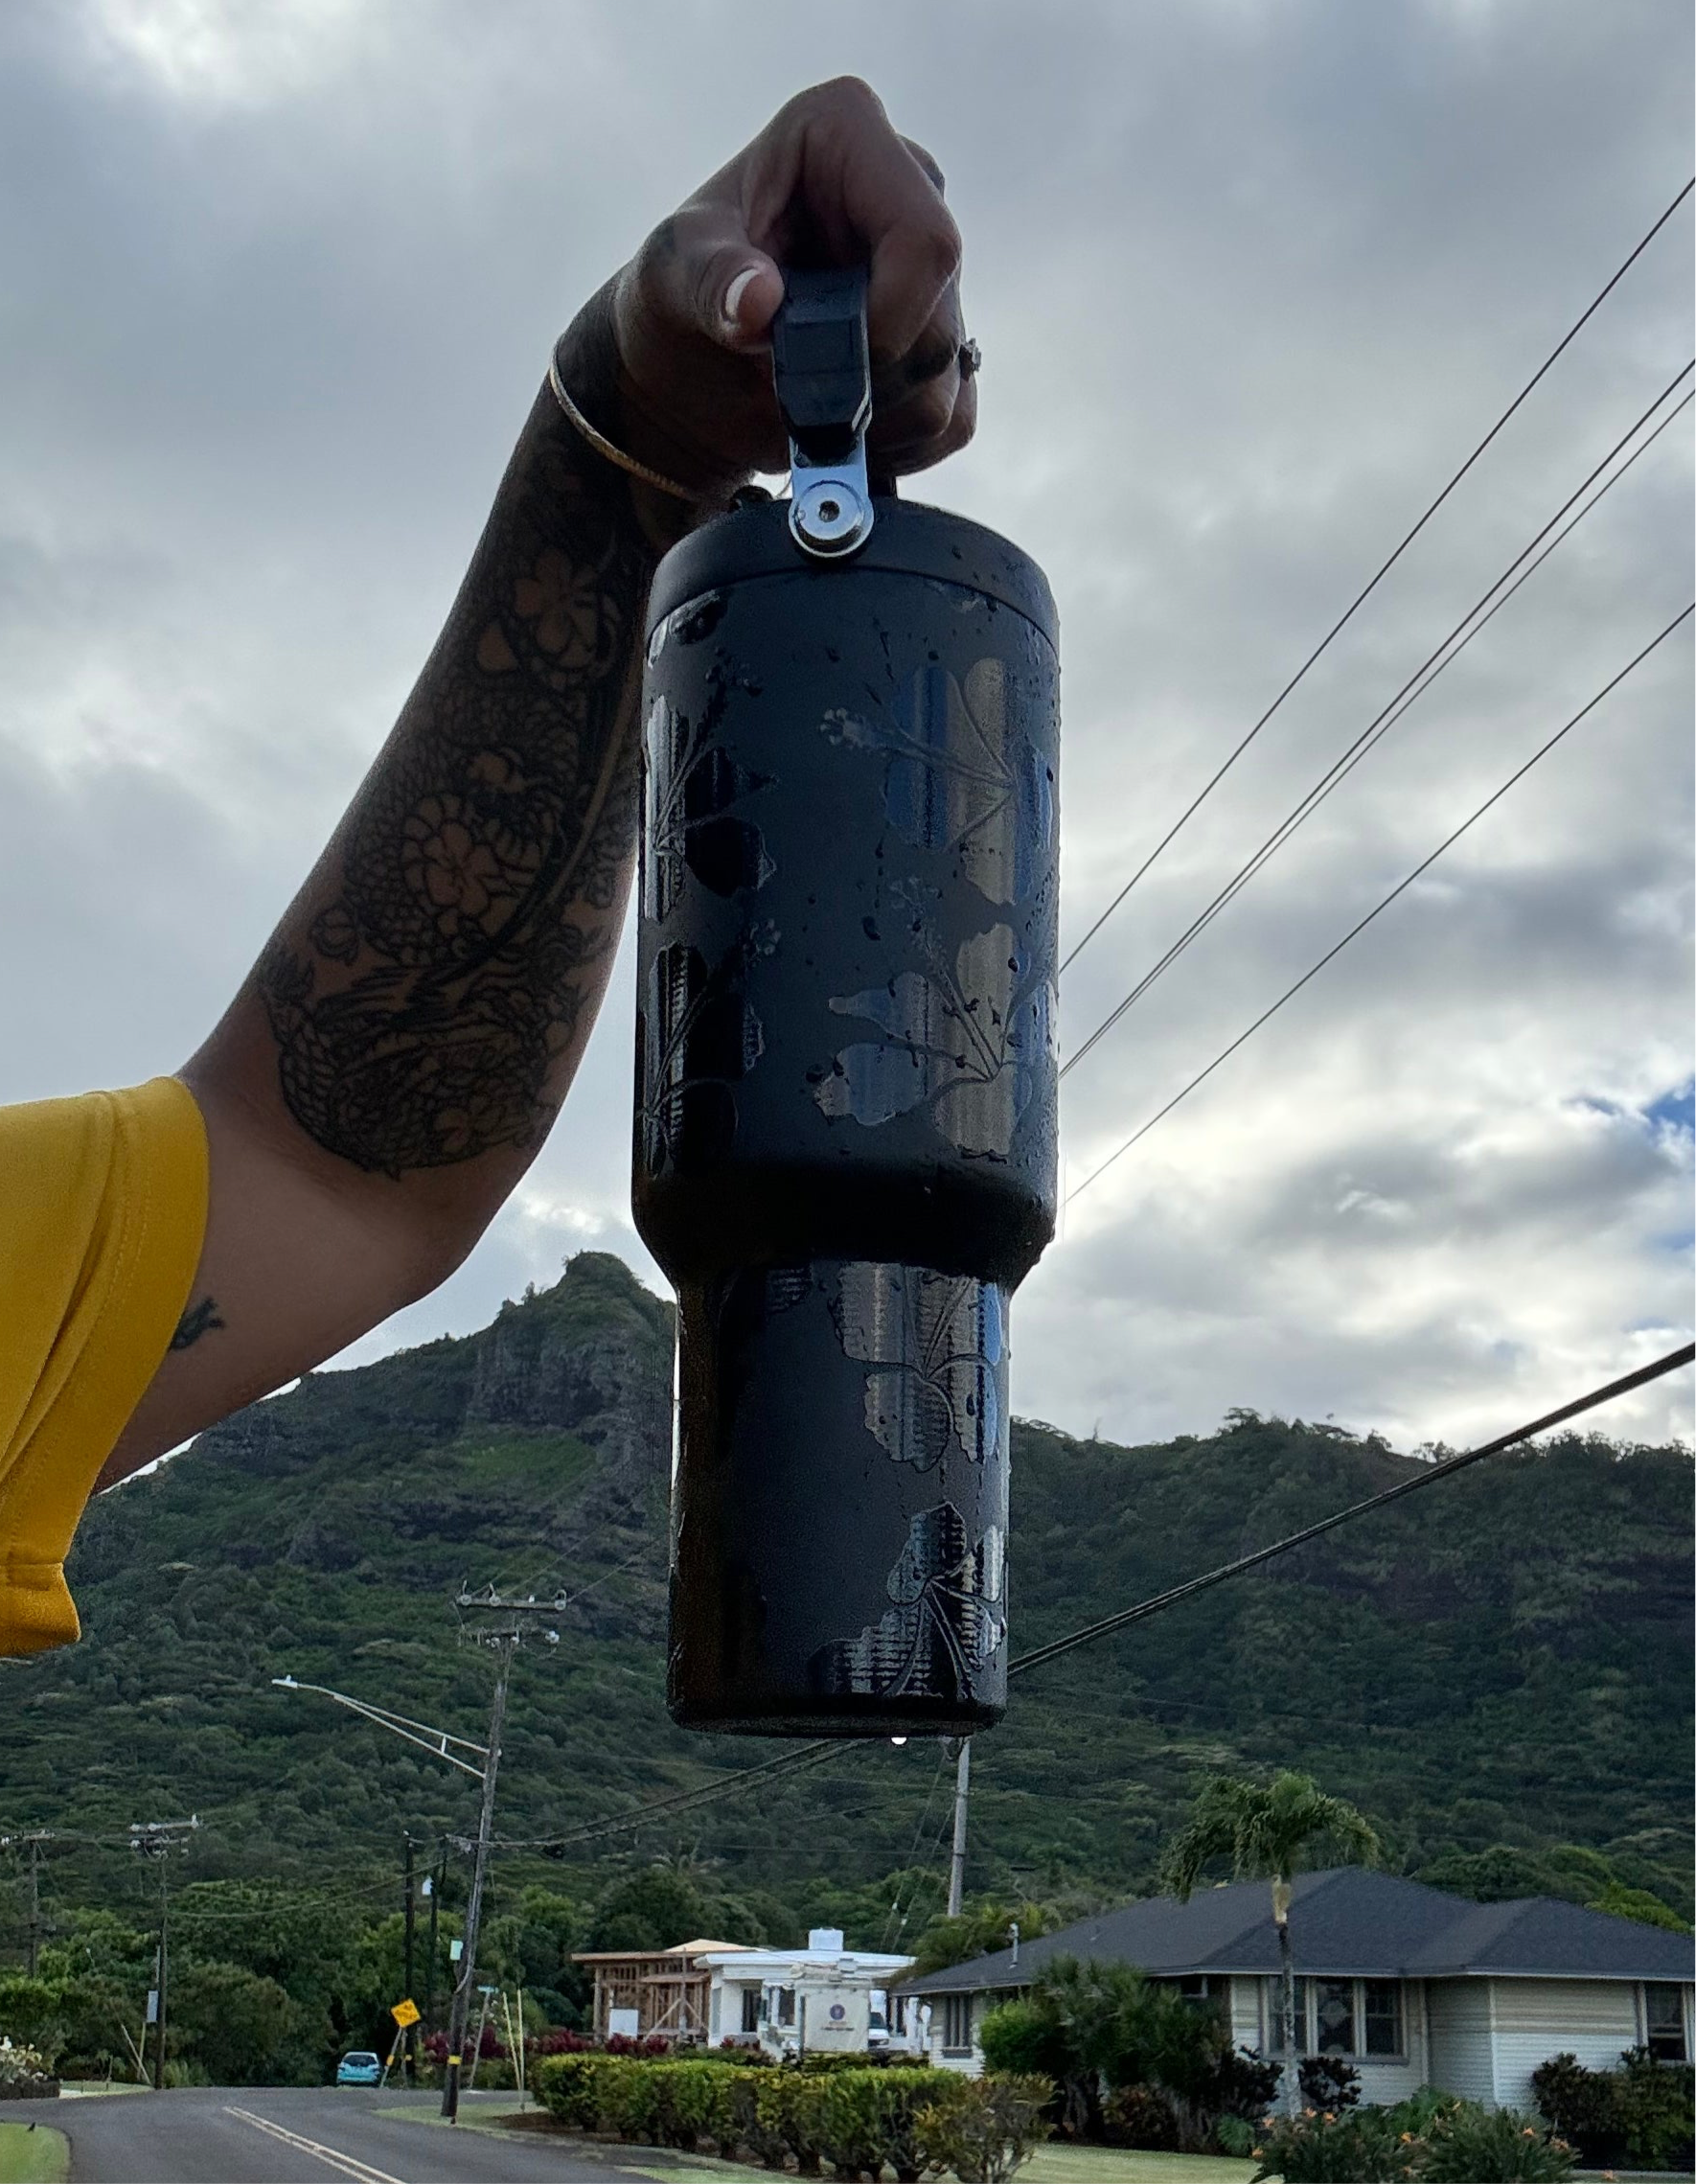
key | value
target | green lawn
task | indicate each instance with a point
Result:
(38, 2156)
(1124, 2165)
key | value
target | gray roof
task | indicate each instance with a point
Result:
(1347, 1920)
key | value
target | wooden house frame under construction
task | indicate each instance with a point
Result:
(669, 1989)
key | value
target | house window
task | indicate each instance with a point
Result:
(1333, 2016)
(1275, 2017)
(898, 2016)
(786, 2005)
(1197, 1988)
(750, 2008)
(1663, 2021)
(1357, 2017)
(956, 2024)
(1382, 2010)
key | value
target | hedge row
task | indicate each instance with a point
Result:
(860, 2122)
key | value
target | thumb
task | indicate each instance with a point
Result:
(740, 291)
(701, 271)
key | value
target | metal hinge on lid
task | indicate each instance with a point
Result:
(821, 366)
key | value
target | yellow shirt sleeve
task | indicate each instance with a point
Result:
(102, 1212)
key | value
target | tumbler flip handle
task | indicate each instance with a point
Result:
(821, 367)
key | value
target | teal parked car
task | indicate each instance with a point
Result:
(359, 2067)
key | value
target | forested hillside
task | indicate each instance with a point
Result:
(1502, 1662)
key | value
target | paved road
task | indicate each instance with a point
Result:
(298, 2135)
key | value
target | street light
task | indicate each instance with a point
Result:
(420, 1732)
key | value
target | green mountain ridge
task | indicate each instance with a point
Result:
(1502, 1662)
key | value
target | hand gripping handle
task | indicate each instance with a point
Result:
(821, 368)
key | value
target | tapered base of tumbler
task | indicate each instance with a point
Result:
(839, 1718)
(839, 1502)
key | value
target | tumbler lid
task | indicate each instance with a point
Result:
(909, 539)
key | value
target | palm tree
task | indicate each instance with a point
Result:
(1265, 1830)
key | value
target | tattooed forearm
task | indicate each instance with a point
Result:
(481, 872)
(201, 1319)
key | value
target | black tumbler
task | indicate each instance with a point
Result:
(845, 1155)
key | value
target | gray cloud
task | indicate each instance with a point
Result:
(1250, 282)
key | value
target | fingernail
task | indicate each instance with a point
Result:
(733, 295)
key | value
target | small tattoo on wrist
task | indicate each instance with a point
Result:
(198, 1320)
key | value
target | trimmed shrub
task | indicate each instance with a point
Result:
(850, 2123)
(756, 2115)
(870, 2118)
(628, 2098)
(986, 2128)
(798, 2111)
(696, 2105)
(826, 2061)
(904, 2098)
(860, 2121)
(568, 2087)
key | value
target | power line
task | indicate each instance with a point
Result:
(942, 1829)
(1363, 596)
(892, 1929)
(554, 1563)
(329, 1901)
(1108, 1624)
(1477, 617)
(1266, 1015)
(680, 1802)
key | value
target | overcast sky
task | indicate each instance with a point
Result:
(279, 279)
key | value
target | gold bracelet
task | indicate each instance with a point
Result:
(601, 446)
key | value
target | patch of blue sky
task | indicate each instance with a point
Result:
(1674, 1110)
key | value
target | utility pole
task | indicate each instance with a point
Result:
(35, 1900)
(32, 1841)
(157, 1839)
(956, 1871)
(409, 2069)
(501, 1625)
(433, 1890)
(35, 1842)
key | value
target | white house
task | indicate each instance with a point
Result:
(1410, 1986)
(824, 1997)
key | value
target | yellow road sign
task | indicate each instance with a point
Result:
(405, 2014)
